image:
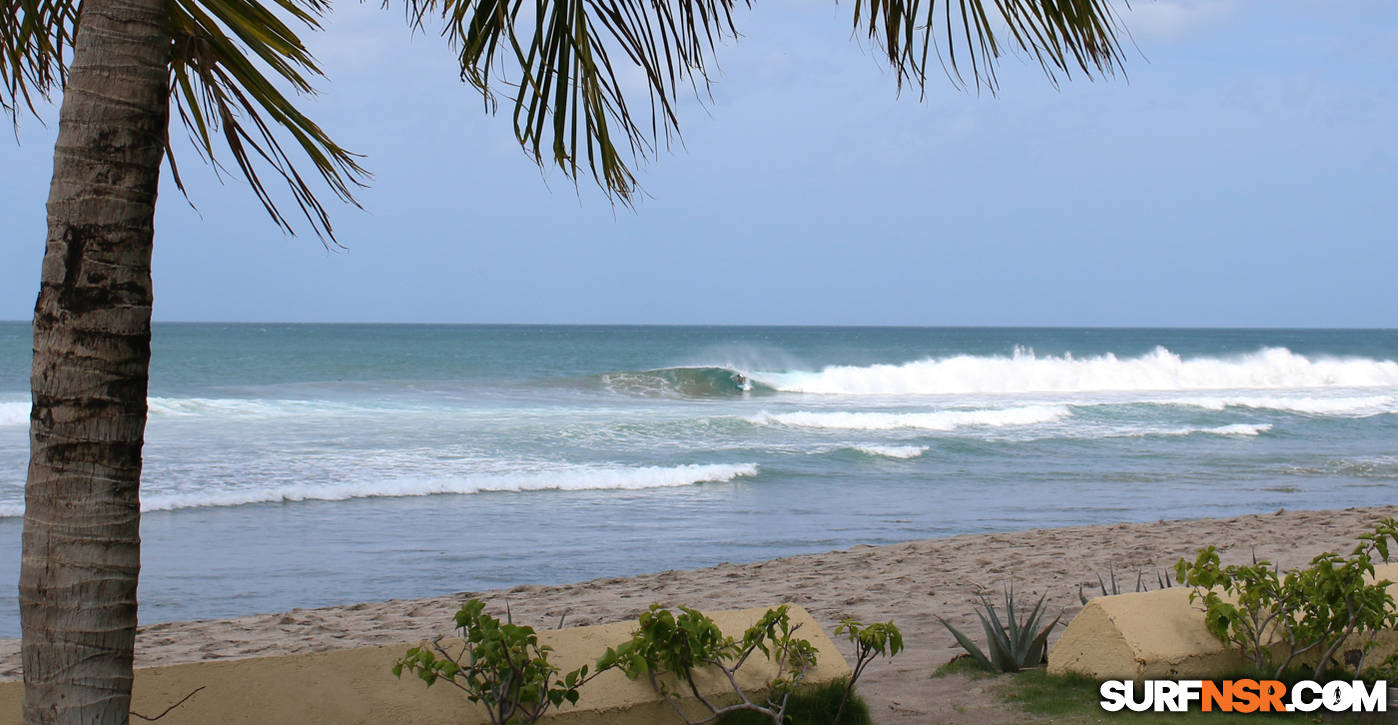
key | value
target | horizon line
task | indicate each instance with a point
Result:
(760, 324)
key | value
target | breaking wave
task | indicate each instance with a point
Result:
(251, 407)
(1239, 429)
(1235, 429)
(1358, 406)
(689, 382)
(943, 420)
(1025, 372)
(578, 478)
(900, 452)
(16, 413)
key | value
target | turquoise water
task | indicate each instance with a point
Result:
(305, 465)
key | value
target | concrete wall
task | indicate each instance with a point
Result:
(1158, 635)
(356, 686)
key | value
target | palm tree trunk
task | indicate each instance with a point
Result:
(81, 546)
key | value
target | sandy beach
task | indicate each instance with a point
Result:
(911, 583)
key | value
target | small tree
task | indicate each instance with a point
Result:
(1316, 609)
(680, 645)
(501, 666)
(881, 639)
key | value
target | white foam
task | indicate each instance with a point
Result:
(1235, 429)
(1109, 432)
(16, 413)
(901, 452)
(1025, 372)
(1337, 406)
(246, 407)
(1240, 429)
(576, 478)
(942, 420)
(1372, 467)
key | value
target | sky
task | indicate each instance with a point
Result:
(1243, 172)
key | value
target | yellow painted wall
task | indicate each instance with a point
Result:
(1159, 635)
(356, 686)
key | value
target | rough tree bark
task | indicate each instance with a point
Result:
(81, 545)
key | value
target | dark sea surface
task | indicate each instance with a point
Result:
(306, 465)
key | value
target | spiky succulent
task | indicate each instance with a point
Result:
(1162, 580)
(1014, 644)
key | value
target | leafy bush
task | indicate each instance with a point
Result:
(965, 665)
(812, 705)
(880, 639)
(500, 665)
(1316, 609)
(680, 645)
(504, 667)
(1014, 645)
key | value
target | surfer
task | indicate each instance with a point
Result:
(742, 382)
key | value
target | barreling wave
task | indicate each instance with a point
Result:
(688, 382)
(941, 420)
(576, 478)
(1024, 372)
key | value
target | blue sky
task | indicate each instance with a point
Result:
(1243, 173)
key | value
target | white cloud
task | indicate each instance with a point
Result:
(1170, 19)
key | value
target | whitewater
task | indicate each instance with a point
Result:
(359, 462)
(1271, 368)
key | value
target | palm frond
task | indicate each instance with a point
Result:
(219, 51)
(565, 63)
(1061, 35)
(36, 39)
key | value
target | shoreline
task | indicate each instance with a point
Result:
(911, 583)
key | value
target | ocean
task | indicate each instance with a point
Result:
(308, 465)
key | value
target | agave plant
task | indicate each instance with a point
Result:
(1015, 644)
(1162, 580)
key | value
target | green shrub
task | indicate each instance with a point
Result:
(1312, 610)
(679, 645)
(880, 639)
(501, 666)
(963, 664)
(812, 705)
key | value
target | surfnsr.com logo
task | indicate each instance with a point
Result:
(1244, 696)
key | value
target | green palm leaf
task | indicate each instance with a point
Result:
(560, 60)
(218, 52)
(559, 64)
(1060, 35)
(36, 36)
